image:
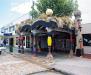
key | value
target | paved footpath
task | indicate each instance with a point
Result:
(13, 66)
(10, 65)
(74, 66)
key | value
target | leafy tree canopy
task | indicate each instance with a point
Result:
(59, 7)
(34, 13)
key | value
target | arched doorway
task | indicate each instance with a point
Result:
(61, 41)
(41, 32)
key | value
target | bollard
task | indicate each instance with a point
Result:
(22, 50)
(49, 42)
(19, 49)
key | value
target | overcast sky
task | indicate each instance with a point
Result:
(84, 6)
(12, 9)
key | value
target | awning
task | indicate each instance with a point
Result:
(7, 34)
(26, 28)
(21, 38)
(40, 24)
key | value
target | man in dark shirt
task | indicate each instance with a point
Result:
(4, 42)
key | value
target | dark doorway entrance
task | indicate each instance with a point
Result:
(11, 44)
(61, 41)
(41, 41)
(11, 41)
(28, 41)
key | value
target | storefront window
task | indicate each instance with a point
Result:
(87, 39)
(18, 40)
(27, 41)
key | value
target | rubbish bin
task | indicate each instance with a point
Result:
(78, 52)
(11, 48)
(0, 52)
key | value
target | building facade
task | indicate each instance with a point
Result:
(86, 31)
(8, 32)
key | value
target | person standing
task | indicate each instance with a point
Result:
(4, 42)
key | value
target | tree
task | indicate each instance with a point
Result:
(34, 13)
(59, 7)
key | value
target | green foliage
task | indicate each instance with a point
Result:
(34, 13)
(59, 7)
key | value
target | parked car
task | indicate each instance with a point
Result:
(89, 42)
(2, 48)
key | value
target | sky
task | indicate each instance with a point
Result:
(84, 6)
(11, 10)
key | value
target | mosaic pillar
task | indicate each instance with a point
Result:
(79, 38)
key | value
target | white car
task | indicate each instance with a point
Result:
(2, 48)
(89, 42)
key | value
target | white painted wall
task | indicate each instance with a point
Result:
(87, 49)
(86, 28)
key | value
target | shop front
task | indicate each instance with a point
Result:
(36, 36)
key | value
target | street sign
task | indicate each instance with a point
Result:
(7, 34)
